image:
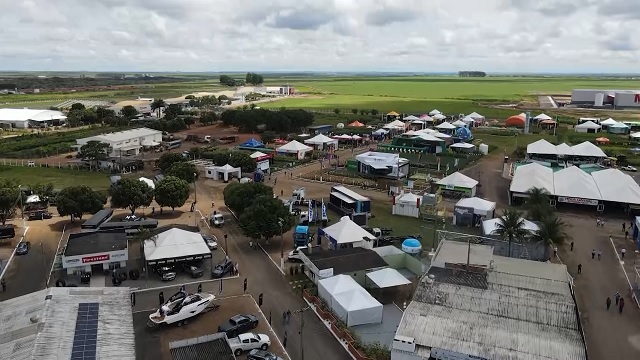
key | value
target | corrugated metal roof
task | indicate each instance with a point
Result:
(122, 135)
(34, 328)
(30, 114)
(209, 347)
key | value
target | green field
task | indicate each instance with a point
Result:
(60, 178)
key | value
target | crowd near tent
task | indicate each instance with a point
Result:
(294, 147)
(588, 127)
(349, 301)
(407, 204)
(470, 211)
(222, 172)
(458, 182)
(491, 226)
(321, 140)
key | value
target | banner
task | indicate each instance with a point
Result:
(310, 211)
(324, 211)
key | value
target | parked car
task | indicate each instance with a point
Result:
(217, 220)
(166, 273)
(23, 248)
(262, 355)
(239, 324)
(223, 268)
(40, 215)
(629, 168)
(211, 240)
(192, 270)
(249, 341)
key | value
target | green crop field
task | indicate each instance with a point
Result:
(60, 178)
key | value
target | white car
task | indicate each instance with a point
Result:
(249, 341)
(629, 168)
(217, 220)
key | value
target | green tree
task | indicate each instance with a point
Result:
(374, 112)
(172, 192)
(537, 204)
(104, 114)
(130, 194)
(172, 111)
(268, 136)
(552, 230)
(9, 199)
(511, 227)
(254, 79)
(168, 159)
(265, 218)
(242, 160)
(183, 170)
(77, 106)
(190, 97)
(238, 196)
(79, 200)
(157, 105)
(43, 190)
(94, 151)
(227, 80)
(354, 111)
(363, 112)
(189, 120)
(336, 111)
(208, 118)
(129, 112)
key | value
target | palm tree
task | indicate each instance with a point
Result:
(157, 105)
(552, 230)
(537, 203)
(511, 226)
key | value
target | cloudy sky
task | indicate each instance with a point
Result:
(321, 35)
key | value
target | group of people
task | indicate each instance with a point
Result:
(619, 302)
(286, 317)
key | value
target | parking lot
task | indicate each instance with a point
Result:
(153, 343)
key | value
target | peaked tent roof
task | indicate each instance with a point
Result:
(446, 126)
(426, 117)
(346, 231)
(588, 125)
(468, 119)
(411, 118)
(427, 137)
(320, 139)
(252, 143)
(462, 145)
(542, 146)
(257, 154)
(396, 124)
(587, 148)
(393, 113)
(458, 179)
(293, 146)
(434, 112)
(387, 277)
(573, 182)
(441, 135)
(475, 115)
(356, 124)
(175, 243)
(477, 203)
(543, 116)
(457, 123)
(564, 149)
(408, 198)
(532, 176)
(490, 227)
(439, 117)
(356, 299)
(614, 185)
(339, 283)
(380, 132)
(619, 125)
(609, 121)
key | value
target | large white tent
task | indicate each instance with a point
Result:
(439, 117)
(564, 150)
(411, 118)
(614, 185)
(346, 231)
(588, 149)
(427, 137)
(474, 115)
(396, 124)
(222, 172)
(480, 206)
(542, 147)
(608, 122)
(543, 116)
(434, 112)
(588, 126)
(294, 147)
(490, 227)
(320, 140)
(531, 176)
(446, 126)
(459, 180)
(387, 277)
(571, 182)
(175, 243)
(349, 301)
(458, 123)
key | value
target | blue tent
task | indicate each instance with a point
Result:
(464, 134)
(253, 143)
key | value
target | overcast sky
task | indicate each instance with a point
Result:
(321, 35)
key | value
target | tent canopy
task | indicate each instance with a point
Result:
(393, 113)
(480, 204)
(258, 154)
(148, 181)
(458, 180)
(253, 143)
(349, 301)
(380, 132)
(619, 125)
(458, 123)
(588, 149)
(588, 125)
(426, 117)
(396, 124)
(490, 227)
(531, 176)
(411, 118)
(441, 135)
(408, 199)
(387, 277)
(175, 243)
(439, 117)
(462, 145)
(446, 126)
(474, 115)
(356, 124)
(293, 147)
(320, 139)
(608, 122)
(573, 182)
(468, 119)
(427, 137)
(215, 171)
(542, 147)
(346, 231)
(543, 116)
(614, 185)
(564, 150)
(33, 199)
(434, 112)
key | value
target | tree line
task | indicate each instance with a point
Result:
(58, 82)
(472, 73)
(281, 121)
(250, 78)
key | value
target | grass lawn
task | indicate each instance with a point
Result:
(60, 178)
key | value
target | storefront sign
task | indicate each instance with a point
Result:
(96, 258)
(325, 273)
(579, 201)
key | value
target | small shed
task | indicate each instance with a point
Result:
(458, 183)
(472, 211)
(222, 172)
(407, 204)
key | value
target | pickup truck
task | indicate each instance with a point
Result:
(239, 324)
(249, 341)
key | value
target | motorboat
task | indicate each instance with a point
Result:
(181, 307)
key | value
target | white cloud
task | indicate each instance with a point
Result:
(332, 35)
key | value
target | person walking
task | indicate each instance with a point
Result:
(593, 254)
(571, 245)
(579, 268)
(622, 252)
(624, 225)
(281, 192)
(284, 316)
(235, 268)
(626, 235)
(621, 304)
(608, 303)
(288, 316)
(284, 340)
(599, 254)
(4, 285)
(617, 298)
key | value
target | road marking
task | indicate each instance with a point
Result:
(55, 256)
(6, 266)
(328, 326)
(272, 261)
(633, 295)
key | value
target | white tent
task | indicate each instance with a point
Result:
(387, 277)
(175, 243)
(587, 149)
(635, 135)
(543, 116)
(458, 123)
(564, 150)
(619, 126)
(320, 140)
(445, 126)
(346, 231)
(490, 227)
(572, 182)
(480, 206)
(542, 147)
(380, 132)
(425, 131)
(148, 181)
(222, 172)
(426, 118)
(440, 135)
(468, 120)
(31, 199)
(357, 307)
(257, 155)
(462, 145)
(434, 112)
(459, 180)
(294, 147)
(608, 122)
(411, 118)
(396, 124)
(334, 285)
(439, 117)
(409, 133)
(531, 176)
(427, 137)
(418, 122)
(356, 137)
(474, 115)
(588, 126)
(614, 185)
(407, 204)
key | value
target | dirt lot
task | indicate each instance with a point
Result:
(154, 343)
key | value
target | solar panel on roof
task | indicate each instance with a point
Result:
(86, 333)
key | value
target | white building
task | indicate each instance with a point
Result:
(106, 250)
(599, 97)
(125, 143)
(25, 118)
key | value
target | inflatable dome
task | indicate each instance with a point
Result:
(411, 246)
(515, 121)
(464, 133)
(340, 126)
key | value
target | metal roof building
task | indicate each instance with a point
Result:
(23, 118)
(68, 323)
(515, 309)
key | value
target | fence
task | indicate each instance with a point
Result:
(537, 251)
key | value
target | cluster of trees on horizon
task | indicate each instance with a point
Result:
(250, 78)
(472, 74)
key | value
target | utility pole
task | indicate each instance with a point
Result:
(280, 223)
(195, 199)
(301, 312)
(44, 263)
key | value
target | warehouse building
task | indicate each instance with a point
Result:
(125, 143)
(619, 99)
(26, 118)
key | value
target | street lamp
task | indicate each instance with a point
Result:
(281, 223)
(195, 199)
(24, 224)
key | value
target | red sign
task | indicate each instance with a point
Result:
(636, 99)
(91, 259)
